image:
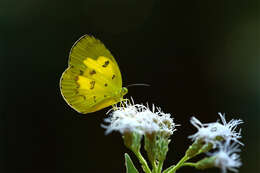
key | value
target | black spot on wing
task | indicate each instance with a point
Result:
(92, 72)
(92, 84)
(113, 77)
(105, 64)
(84, 97)
(105, 85)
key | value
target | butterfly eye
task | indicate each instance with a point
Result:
(124, 91)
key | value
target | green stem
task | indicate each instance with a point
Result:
(189, 164)
(154, 167)
(143, 162)
(179, 164)
(168, 169)
(160, 165)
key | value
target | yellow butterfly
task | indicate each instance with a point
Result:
(92, 80)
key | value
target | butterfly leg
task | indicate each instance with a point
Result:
(114, 107)
(124, 102)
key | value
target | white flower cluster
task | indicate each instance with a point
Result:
(138, 118)
(226, 157)
(210, 131)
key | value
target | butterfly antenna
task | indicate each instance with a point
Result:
(138, 84)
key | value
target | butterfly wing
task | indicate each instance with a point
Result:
(93, 79)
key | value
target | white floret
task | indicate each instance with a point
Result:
(209, 131)
(226, 158)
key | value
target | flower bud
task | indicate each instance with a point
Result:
(208, 162)
(132, 140)
(195, 148)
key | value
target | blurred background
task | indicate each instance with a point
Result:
(200, 58)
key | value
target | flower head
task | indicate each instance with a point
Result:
(226, 158)
(138, 118)
(209, 132)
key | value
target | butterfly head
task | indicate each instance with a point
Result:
(124, 91)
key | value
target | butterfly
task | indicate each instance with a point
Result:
(93, 79)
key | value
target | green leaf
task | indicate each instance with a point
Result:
(130, 168)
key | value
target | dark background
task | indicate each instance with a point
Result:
(200, 58)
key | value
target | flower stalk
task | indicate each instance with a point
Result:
(179, 164)
(143, 162)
